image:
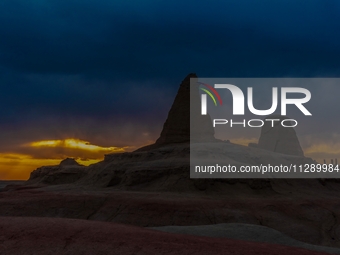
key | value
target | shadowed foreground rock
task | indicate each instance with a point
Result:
(47, 236)
(245, 232)
(306, 210)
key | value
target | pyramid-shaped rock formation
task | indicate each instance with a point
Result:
(69, 162)
(278, 138)
(176, 128)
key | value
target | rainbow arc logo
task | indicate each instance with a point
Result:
(211, 92)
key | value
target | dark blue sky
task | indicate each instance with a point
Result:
(107, 71)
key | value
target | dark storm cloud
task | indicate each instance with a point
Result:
(155, 39)
(99, 69)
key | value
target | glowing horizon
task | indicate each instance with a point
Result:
(75, 144)
(19, 165)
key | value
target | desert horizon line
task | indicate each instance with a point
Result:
(22, 165)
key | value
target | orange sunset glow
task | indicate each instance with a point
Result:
(75, 144)
(18, 166)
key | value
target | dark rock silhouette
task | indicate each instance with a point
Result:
(169, 157)
(68, 171)
(278, 138)
(176, 128)
(69, 162)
